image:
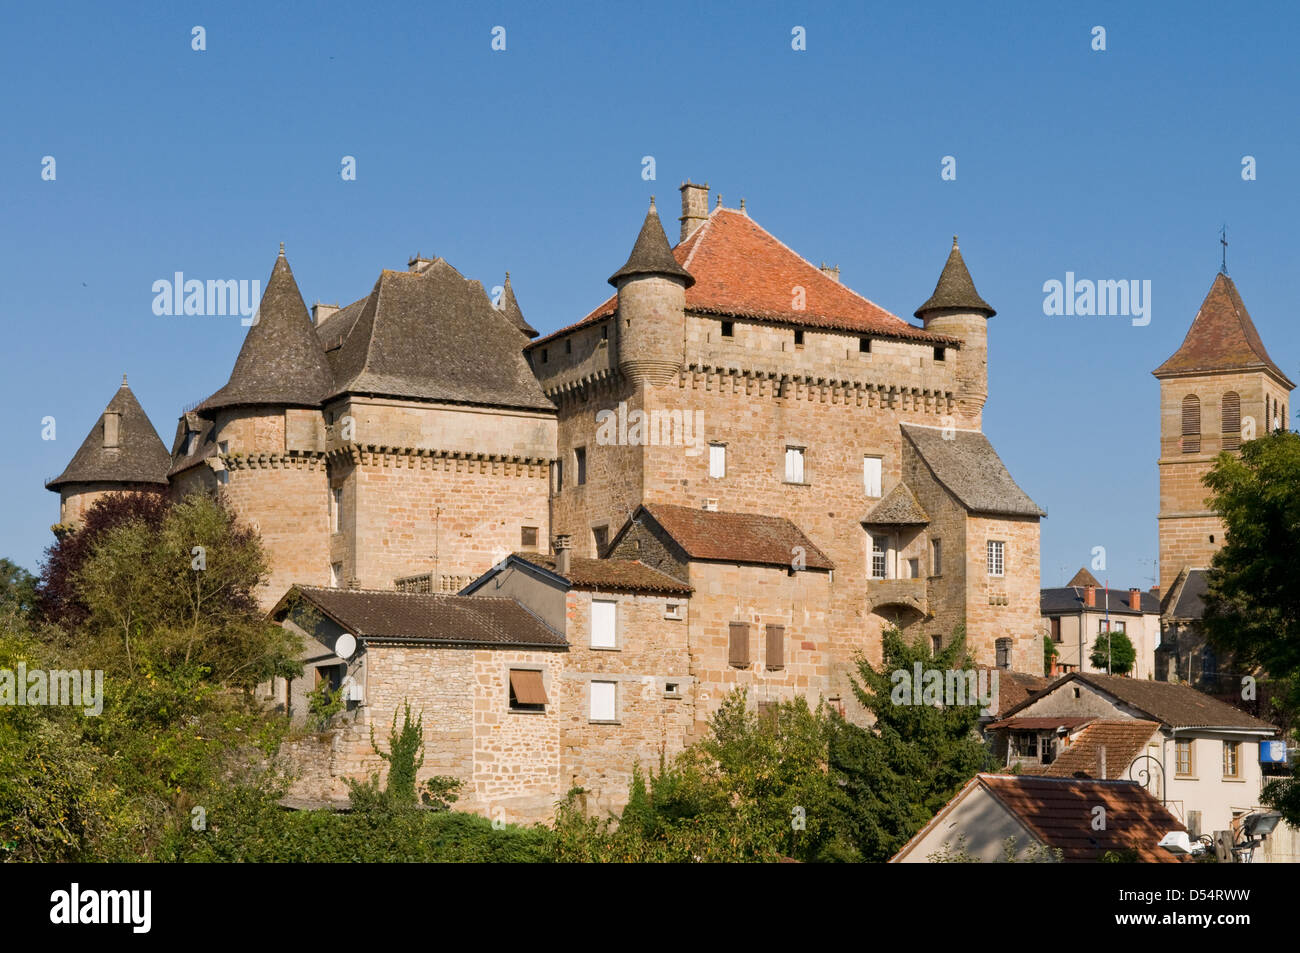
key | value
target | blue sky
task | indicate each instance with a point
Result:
(1119, 164)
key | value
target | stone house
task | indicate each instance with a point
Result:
(630, 689)
(1199, 757)
(1077, 613)
(485, 674)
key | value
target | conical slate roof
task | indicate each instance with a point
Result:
(1222, 337)
(282, 361)
(955, 288)
(899, 507)
(510, 307)
(651, 254)
(138, 457)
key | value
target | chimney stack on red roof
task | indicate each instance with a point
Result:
(695, 207)
(1090, 596)
(1135, 599)
(831, 271)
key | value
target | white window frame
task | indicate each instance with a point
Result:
(885, 552)
(597, 642)
(871, 481)
(717, 461)
(795, 464)
(605, 695)
(996, 552)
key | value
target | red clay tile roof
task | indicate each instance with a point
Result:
(611, 574)
(741, 270)
(1123, 740)
(736, 537)
(1060, 813)
(384, 615)
(1222, 337)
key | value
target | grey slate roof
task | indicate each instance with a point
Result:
(510, 306)
(431, 335)
(899, 507)
(383, 615)
(1069, 600)
(204, 446)
(971, 470)
(955, 288)
(281, 361)
(139, 457)
(651, 254)
(1189, 604)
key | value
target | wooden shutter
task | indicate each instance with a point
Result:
(1231, 420)
(738, 644)
(1191, 424)
(775, 648)
(528, 687)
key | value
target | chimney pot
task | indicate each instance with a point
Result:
(1090, 596)
(319, 312)
(695, 207)
(831, 271)
(563, 554)
(1135, 600)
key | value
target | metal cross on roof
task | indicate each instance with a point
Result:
(1223, 240)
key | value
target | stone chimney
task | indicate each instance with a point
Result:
(831, 272)
(1090, 596)
(1135, 599)
(563, 554)
(695, 207)
(319, 312)
(418, 263)
(1101, 762)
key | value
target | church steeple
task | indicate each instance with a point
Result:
(282, 361)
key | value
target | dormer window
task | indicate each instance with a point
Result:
(191, 442)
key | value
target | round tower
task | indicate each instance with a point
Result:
(651, 320)
(957, 310)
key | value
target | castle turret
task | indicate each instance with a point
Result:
(510, 306)
(651, 317)
(269, 434)
(956, 309)
(122, 453)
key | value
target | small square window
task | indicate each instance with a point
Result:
(673, 610)
(672, 690)
(798, 339)
(728, 329)
(938, 353)
(528, 537)
(864, 345)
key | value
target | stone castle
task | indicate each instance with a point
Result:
(734, 471)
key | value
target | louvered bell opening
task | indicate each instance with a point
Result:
(1231, 420)
(1191, 424)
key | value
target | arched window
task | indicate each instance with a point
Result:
(1191, 424)
(1231, 413)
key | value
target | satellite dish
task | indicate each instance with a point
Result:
(345, 645)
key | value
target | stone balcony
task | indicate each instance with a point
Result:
(898, 592)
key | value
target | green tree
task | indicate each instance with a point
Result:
(1113, 652)
(1050, 654)
(17, 589)
(897, 774)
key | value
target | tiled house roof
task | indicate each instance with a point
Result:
(741, 270)
(139, 457)
(1058, 813)
(1171, 704)
(899, 507)
(1016, 687)
(629, 575)
(281, 361)
(381, 615)
(430, 335)
(967, 465)
(735, 537)
(1222, 337)
(1123, 739)
(955, 289)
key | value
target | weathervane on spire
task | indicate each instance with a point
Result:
(1223, 240)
